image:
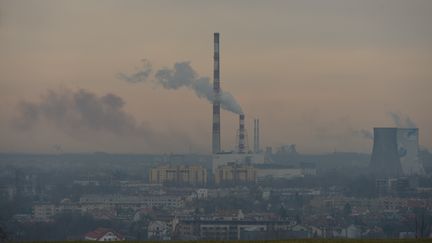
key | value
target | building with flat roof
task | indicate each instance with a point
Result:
(233, 173)
(194, 175)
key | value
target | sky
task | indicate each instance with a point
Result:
(318, 74)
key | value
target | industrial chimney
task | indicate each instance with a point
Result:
(216, 137)
(256, 136)
(241, 135)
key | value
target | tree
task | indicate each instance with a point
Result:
(283, 212)
(347, 209)
(3, 235)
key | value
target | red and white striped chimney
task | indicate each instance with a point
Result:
(241, 135)
(216, 136)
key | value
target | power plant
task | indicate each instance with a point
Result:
(395, 152)
(241, 153)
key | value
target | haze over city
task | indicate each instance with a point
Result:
(320, 74)
(193, 120)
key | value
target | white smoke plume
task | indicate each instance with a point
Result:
(401, 120)
(179, 76)
(140, 75)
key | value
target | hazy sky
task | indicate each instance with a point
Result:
(319, 74)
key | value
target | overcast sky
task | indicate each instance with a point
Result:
(319, 74)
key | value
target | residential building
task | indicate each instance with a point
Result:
(136, 202)
(194, 175)
(103, 234)
(228, 229)
(159, 230)
(233, 173)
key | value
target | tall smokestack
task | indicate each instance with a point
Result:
(241, 135)
(256, 136)
(216, 137)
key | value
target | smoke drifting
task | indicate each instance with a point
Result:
(364, 134)
(100, 121)
(182, 75)
(401, 120)
(80, 111)
(139, 76)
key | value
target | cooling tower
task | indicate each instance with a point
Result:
(385, 161)
(408, 149)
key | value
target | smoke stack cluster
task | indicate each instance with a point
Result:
(216, 137)
(256, 136)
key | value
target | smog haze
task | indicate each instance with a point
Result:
(103, 75)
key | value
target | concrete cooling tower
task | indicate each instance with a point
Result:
(395, 152)
(408, 150)
(385, 160)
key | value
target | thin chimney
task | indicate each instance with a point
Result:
(216, 136)
(241, 135)
(256, 136)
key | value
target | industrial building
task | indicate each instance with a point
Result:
(194, 175)
(232, 157)
(241, 154)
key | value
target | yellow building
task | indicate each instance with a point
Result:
(194, 175)
(235, 173)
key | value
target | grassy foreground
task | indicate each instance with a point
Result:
(270, 241)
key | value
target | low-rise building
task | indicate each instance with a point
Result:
(103, 234)
(279, 173)
(159, 230)
(229, 229)
(44, 211)
(134, 202)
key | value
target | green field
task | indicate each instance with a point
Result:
(271, 241)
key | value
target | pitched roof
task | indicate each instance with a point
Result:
(100, 232)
